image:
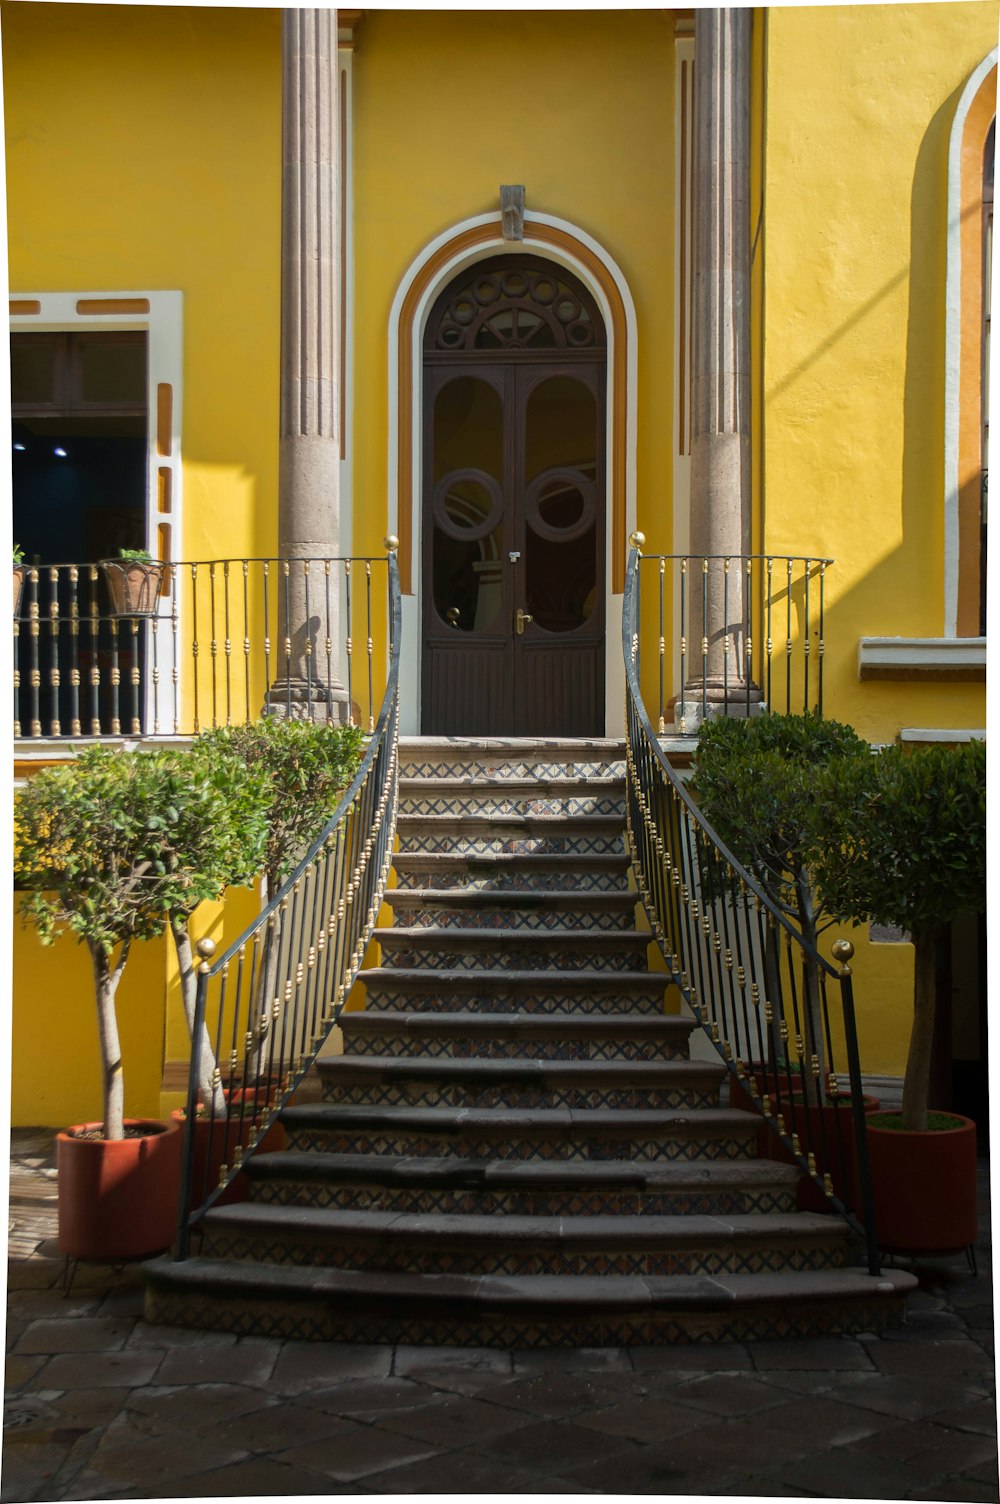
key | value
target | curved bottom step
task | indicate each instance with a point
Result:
(527, 1311)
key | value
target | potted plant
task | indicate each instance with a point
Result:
(902, 841)
(134, 580)
(754, 781)
(86, 854)
(18, 578)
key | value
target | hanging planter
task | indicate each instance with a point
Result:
(134, 581)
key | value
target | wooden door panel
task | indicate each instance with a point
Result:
(562, 691)
(467, 690)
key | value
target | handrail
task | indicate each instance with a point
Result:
(271, 999)
(756, 986)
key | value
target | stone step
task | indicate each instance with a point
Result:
(516, 1036)
(388, 1081)
(511, 757)
(714, 1187)
(435, 1243)
(504, 870)
(458, 949)
(344, 1305)
(480, 834)
(516, 908)
(523, 1133)
(506, 990)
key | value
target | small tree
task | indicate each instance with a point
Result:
(305, 768)
(903, 842)
(212, 827)
(86, 853)
(755, 781)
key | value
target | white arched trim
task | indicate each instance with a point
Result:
(953, 344)
(443, 259)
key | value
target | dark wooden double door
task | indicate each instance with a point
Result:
(514, 524)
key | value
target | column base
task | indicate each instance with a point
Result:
(298, 700)
(708, 701)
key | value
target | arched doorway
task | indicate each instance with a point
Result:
(513, 551)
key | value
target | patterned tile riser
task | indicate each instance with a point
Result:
(318, 1321)
(416, 1046)
(517, 770)
(514, 1095)
(513, 957)
(459, 844)
(460, 1000)
(538, 1203)
(648, 1150)
(516, 919)
(501, 881)
(345, 1253)
(477, 806)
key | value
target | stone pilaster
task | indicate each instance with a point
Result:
(309, 452)
(720, 379)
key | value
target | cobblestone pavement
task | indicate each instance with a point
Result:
(101, 1405)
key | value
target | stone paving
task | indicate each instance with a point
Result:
(100, 1405)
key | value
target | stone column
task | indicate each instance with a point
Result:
(309, 453)
(720, 378)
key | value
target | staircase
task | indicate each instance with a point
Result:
(516, 1147)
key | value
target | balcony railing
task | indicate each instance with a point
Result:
(731, 629)
(211, 642)
(268, 1004)
(779, 1014)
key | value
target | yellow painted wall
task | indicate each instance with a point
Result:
(576, 106)
(144, 152)
(860, 102)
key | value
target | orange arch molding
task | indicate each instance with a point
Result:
(489, 235)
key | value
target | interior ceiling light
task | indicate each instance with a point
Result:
(20, 448)
(60, 452)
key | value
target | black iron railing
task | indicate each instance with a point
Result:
(191, 644)
(734, 629)
(268, 1004)
(780, 1015)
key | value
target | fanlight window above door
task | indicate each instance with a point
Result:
(511, 306)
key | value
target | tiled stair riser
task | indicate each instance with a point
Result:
(495, 802)
(501, 872)
(413, 1045)
(429, 1095)
(512, 1145)
(542, 953)
(419, 836)
(506, 993)
(441, 916)
(521, 1203)
(424, 1258)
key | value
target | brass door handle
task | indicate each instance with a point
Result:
(521, 621)
(452, 615)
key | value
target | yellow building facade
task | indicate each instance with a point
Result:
(143, 197)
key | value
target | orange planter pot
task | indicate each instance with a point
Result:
(215, 1142)
(118, 1198)
(925, 1187)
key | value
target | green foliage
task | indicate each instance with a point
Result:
(112, 845)
(306, 768)
(18, 555)
(755, 781)
(903, 840)
(135, 556)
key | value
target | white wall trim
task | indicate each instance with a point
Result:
(412, 619)
(933, 734)
(164, 326)
(345, 58)
(914, 655)
(953, 342)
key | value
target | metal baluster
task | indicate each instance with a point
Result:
(55, 722)
(371, 646)
(822, 641)
(213, 644)
(683, 658)
(788, 638)
(330, 629)
(726, 636)
(663, 648)
(769, 643)
(349, 644)
(134, 676)
(286, 574)
(196, 723)
(806, 643)
(748, 631)
(308, 643)
(267, 633)
(247, 711)
(227, 643)
(704, 639)
(94, 623)
(34, 668)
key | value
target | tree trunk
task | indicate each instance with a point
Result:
(105, 987)
(811, 1003)
(212, 1096)
(916, 1083)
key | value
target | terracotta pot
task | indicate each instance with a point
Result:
(118, 1198)
(214, 1143)
(133, 585)
(925, 1187)
(18, 587)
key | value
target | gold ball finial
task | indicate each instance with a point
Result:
(391, 543)
(843, 952)
(206, 949)
(637, 539)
